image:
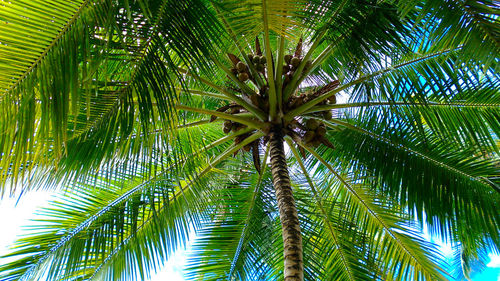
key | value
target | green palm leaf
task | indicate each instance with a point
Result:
(122, 104)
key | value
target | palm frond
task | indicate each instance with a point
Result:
(460, 180)
(470, 119)
(469, 24)
(247, 18)
(125, 211)
(121, 102)
(75, 246)
(101, 93)
(221, 245)
(394, 242)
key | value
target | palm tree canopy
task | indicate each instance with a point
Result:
(122, 103)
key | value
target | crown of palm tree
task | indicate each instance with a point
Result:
(161, 118)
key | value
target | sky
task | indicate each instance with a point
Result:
(13, 218)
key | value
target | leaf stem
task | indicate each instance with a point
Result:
(402, 147)
(244, 232)
(205, 93)
(430, 104)
(257, 112)
(326, 217)
(269, 64)
(243, 120)
(301, 109)
(370, 210)
(279, 73)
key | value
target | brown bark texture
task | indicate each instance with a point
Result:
(292, 238)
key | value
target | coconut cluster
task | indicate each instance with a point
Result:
(258, 61)
(315, 133)
(241, 71)
(297, 100)
(311, 129)
(231, 126)
(290, 66)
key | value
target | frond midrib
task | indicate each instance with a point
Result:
(180, 193)
(327, 218)
(52, 45)
(250, 210)
(303, 108)
(480, 23)
(123, 91)
(370, 210)
(407, 104)
(407, 149)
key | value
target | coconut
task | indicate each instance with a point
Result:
(237, 127)
(316, 142)
(235, 110)
(239, 139)
(298, 102)
(255, 99)
(293, 124)
(295, 62)
(243, 76)
(241, 67)
(256, 59)
(312, 124)
(288, 58)
(287, 79)
(321, 131)
(226, 128)
(259, 67)
(286, 68)
(250, 56)
(263, 60)
(327, 115)
(308, 136)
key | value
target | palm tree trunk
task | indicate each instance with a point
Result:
(292, 238)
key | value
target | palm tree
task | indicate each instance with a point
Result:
(121, 102)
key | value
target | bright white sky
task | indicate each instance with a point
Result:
(12, 219)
